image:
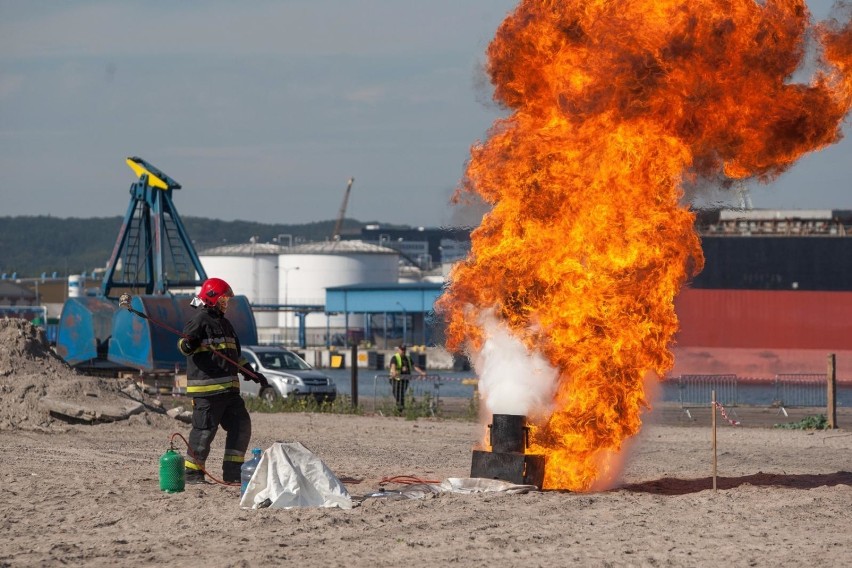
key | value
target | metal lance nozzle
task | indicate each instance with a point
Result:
(124, 301)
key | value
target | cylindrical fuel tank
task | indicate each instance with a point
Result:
(76, 286)
(509, 433)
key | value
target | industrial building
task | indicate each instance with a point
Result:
(423, 247)
(13, 294)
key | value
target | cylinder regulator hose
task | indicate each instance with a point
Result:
(189, 452)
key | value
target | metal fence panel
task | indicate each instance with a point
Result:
(801, 389)
(696, 390)
(425, 390)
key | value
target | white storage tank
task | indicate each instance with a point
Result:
(252, 270)
(305, 271)
(76, 286)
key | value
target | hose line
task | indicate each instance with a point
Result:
(189, 451)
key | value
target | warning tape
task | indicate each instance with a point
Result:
(725, 415)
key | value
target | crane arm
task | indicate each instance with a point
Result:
(339, 224)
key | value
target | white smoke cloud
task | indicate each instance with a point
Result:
(512, 380)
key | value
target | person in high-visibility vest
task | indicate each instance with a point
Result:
(400, 373)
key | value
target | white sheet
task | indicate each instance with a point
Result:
(289, 475)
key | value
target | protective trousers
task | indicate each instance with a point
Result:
(399, 387)
(208, 413)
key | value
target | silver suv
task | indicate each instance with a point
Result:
(288, 375)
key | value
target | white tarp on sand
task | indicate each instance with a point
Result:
(288, 476)
(483, 485)
(451, 485)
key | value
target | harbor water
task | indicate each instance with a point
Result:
(457, 384)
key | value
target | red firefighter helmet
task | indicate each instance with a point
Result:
(213, 289)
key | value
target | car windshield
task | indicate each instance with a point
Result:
(282, 360)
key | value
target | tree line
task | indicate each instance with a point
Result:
(33, 245)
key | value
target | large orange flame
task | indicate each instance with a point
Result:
(614, 107)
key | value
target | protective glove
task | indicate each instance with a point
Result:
(258, 378)
(254, 376)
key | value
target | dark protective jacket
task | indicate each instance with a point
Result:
(206, 373)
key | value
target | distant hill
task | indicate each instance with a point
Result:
(30, 246)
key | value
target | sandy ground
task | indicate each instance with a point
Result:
(89, 496)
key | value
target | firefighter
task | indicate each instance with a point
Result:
(213, 384)
(400, 372)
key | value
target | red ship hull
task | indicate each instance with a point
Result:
(757, 334)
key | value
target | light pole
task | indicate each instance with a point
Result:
(404, 323)
(287, 318)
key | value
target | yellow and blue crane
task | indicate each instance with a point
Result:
(155, 261)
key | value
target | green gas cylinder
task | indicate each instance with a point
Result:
(171, 472)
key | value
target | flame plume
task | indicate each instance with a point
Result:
(615, 106)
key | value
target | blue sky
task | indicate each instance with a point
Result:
(263, 110)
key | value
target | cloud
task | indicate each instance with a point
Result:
(284, 99)
(295, 27)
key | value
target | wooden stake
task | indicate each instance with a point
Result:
(831, 395)
(713, 408)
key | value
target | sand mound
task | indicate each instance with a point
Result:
(39, 391)
(24, 349)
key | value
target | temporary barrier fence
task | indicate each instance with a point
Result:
(696, 391)
(422, 389)
(800, 390)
